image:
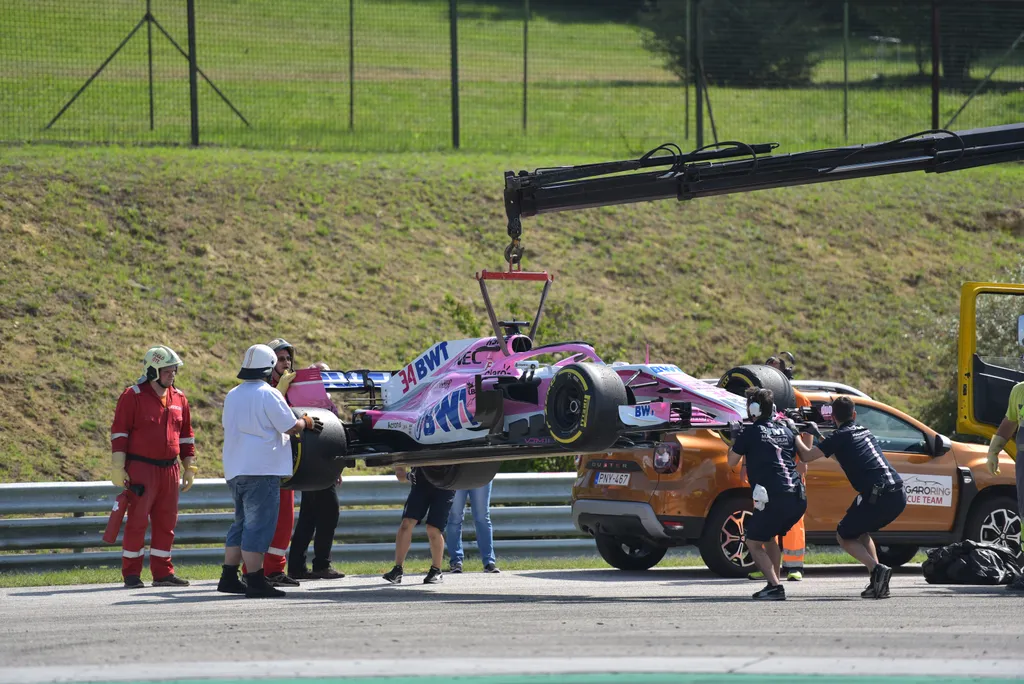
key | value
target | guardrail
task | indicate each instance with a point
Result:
(530, 513)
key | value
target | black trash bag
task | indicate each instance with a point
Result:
(971, 562)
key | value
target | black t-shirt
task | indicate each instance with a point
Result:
(769, 449)
(860, 457)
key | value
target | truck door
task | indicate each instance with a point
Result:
(989, 355)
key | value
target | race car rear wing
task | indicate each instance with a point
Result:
(354, 380)
(721, 171)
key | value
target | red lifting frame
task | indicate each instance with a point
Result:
(535, 276)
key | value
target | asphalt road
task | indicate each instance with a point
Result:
(519, 617)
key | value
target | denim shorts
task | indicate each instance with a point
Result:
(257, 498)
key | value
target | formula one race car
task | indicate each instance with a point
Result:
(465, 405)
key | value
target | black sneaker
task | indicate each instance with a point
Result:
(491, 568)
(133, 582)
(327, 573)
(229, 582)
(434, 576)
(1017, 584)
(770, 593)
(170, 581)
(869, 591)
(455, 568)
(279, 579)
(394, 575)
(257, 586)
(299, 572)
(880, 580)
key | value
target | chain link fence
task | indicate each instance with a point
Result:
(610, 77)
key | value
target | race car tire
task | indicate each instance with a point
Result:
(895, 555)
(629, 554)
(461, 476)
(739, 379)
(582, 407)
(722, 543)
(317, 459)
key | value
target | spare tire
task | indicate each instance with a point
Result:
(739, 379)
(461, 476)
(317, 459)
(582, 407)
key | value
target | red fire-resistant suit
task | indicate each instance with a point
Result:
(152, 435)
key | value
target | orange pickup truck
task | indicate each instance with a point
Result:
(639, 504)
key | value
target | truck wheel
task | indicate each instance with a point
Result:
(722, 544)
(461, 476)
(995, 520)
(629, 554)
(582, 406)
(895, 555)
(739, 379)
(317, 460)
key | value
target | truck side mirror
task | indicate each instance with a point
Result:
(939, 445)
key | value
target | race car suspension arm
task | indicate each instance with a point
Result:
(737, 167)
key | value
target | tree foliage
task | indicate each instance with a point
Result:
(748, 43)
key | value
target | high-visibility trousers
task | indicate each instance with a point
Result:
(275, 557)
(157, 506)
(792, 545)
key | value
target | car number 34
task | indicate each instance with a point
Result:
(619, 479)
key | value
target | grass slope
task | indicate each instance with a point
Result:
(351, 258)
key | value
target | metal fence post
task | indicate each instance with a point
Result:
(935, 64)
(698, 81)
(453, 22)
(351, 66)
(526, 28)
(193, 84)
(846, 71)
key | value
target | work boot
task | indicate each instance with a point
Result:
(771, 593)
(229, 582)
(133, 582)
(327, 573)
(279, 579)
(170, 581)
(880, 580)
(394, 575)
(434, 576)
(256, 586)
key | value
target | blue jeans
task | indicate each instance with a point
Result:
(480, 502)
(257, 498)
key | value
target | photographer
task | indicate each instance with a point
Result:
(880, 498)
(779, 497)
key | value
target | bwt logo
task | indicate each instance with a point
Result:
(451, 413)
(644, 411)
(665, 369)
(431, 360)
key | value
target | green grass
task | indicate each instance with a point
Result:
(351, 257)
(593, 87)
(412, 566)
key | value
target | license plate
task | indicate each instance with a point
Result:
(618, 479)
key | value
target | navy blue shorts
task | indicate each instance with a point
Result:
(780, 514)
(863, 517)
(427, 502)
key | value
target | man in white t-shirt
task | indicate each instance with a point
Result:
(257, 454)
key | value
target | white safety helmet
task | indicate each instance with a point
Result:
(159, 357)
(258, 362)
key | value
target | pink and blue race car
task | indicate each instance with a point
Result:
(463, 406)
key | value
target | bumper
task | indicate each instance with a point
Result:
(631, 519)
